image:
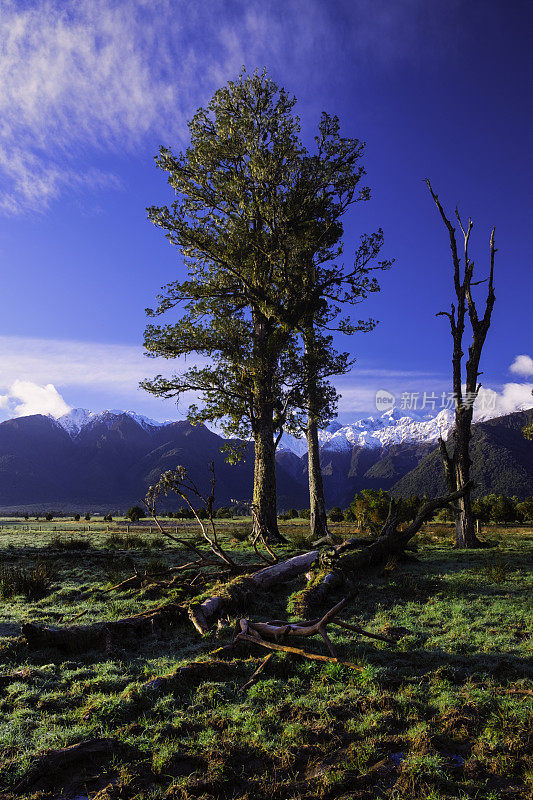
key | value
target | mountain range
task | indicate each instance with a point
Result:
(105, 461)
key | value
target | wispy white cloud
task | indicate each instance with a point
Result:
(80, 364)
(80, 79)
(86, 373)
(522, 365)
(26, 397)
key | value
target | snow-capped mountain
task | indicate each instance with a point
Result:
(79, 418)
(392, 427)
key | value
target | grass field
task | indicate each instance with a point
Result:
(444, 713)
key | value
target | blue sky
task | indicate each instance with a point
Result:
(90, 89)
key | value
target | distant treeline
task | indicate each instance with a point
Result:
(369, 508)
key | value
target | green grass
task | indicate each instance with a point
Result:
(443, 715)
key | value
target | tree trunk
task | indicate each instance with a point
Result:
(318, 519)
(465, 534)
(265, 516)
(317, 504)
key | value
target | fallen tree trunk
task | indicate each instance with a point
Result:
(341, 565)
(52, 762)
(102, 635)
(210, 610)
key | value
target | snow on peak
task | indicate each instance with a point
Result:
(75, 420)
(79, 418)
(391, 427)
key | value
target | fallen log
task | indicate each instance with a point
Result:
(391, 541)
(102, 635)
(204, 614)
(342, 564)
(51, 763)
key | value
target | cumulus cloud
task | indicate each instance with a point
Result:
(512, 397)
(522, 365)
(26, 397)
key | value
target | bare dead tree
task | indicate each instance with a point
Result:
(457, 463)
(179, 482)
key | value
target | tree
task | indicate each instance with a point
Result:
(256, 218)
(336, 514)
(457, 463)
(76, 517)
(87, 517)
(371, 508)
(524, 509)
(135, 513)
(328, 186)
(234, 206)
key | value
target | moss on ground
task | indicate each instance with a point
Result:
(445, 714)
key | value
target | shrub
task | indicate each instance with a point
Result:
(33, 582)
(57, 543)
(135, 513)
(223, 513)
(77, 517)
(87, 516)
(304, 513)
(300, 538)
(130, 541)
(49, 517)
(336, 514)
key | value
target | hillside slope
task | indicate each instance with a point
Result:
(502, 461)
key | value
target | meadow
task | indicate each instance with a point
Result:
(443, 713)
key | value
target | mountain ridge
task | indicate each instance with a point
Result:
(109, 459)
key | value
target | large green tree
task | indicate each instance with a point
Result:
(257, 221)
